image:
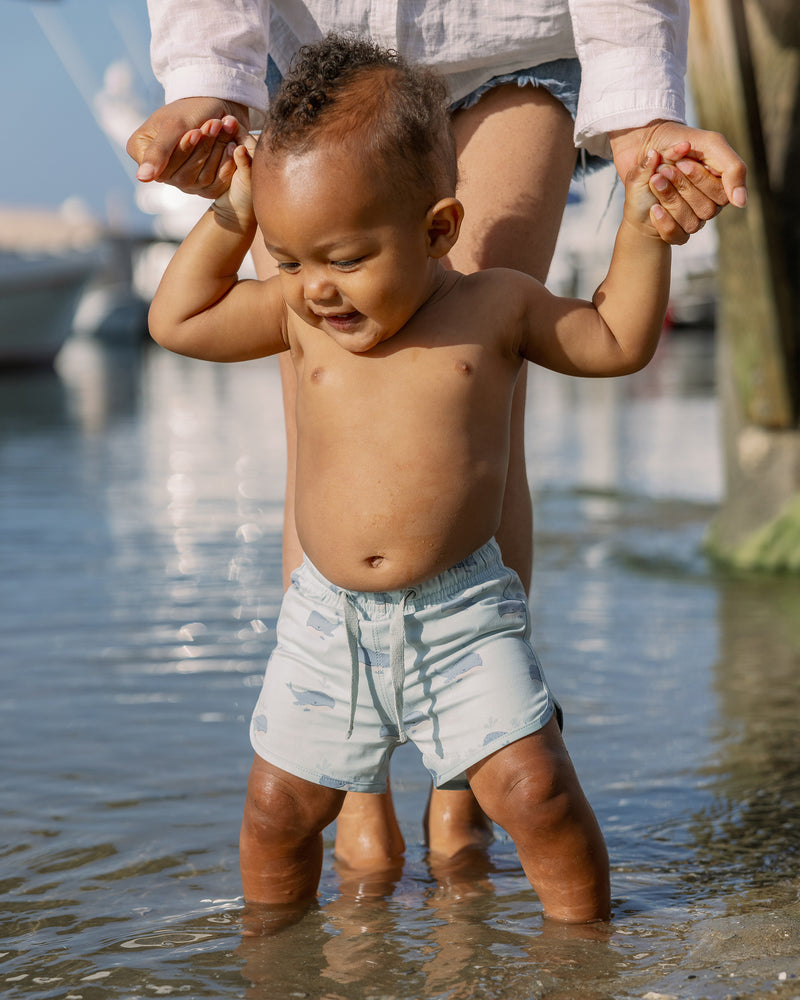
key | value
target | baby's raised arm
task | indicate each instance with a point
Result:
(618, 331)
(201, 309)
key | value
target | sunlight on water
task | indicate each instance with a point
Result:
(141, 502)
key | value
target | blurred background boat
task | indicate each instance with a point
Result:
(47, 259)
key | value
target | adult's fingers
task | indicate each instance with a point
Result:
(202, 170)
(719, 157)
(697, 177)
(155, 142)
(712, 151)
(666, 226)
(687, 203)
(209, 169)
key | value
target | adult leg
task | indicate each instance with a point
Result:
(368, 836)
(516, 157)
(292, 552)
(531, 789)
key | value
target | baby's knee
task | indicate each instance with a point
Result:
(280, 806)
(532, 782)
(541, 799)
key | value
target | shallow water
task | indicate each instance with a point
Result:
(140, 504)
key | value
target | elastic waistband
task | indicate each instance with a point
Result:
(481, 565)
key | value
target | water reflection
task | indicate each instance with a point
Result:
(750, 829)
(475, 945)
(30, 401)
(652, 434)
(102, 382)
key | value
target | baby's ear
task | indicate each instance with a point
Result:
(444, 223)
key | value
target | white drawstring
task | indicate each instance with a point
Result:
(397, 655)
(351, 628)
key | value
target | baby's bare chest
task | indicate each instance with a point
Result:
(410, 379)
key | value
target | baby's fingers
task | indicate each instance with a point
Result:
(242, 158)
(208, 166)
(240, 196)
(226, 128)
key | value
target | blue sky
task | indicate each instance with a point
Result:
(53, 148)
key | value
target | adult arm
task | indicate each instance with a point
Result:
(209, 48)
(211, 59)
(633, 64)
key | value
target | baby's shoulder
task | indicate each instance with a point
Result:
(501, 290)
(502, 279)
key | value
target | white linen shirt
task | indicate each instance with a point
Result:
(632, 52)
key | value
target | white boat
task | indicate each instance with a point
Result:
(47, 257)
(38, 297)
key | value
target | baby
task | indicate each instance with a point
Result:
(403, 623)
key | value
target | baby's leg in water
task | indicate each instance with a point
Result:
(530, 788)
(280, 846)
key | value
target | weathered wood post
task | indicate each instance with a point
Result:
(744, 61)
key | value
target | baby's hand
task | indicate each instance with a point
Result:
(642, 209)
(235, 205)
(656, 203)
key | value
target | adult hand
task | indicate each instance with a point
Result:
(699, 176)
(169, 147)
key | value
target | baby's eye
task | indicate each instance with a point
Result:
(288, 266)
(346, 265)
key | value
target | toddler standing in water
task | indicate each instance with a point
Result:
(402, 622)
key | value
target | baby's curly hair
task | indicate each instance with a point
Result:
(347, 90)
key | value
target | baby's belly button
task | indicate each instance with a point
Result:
(374, 561)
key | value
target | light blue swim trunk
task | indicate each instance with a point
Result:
(447, 664)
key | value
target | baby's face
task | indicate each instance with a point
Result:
(353, 260)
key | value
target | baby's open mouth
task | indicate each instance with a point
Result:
(342, 320)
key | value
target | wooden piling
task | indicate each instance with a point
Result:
(755, 292)
(744, 64)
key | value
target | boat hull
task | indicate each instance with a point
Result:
(38, 298)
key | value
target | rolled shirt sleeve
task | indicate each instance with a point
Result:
(204, 48)
(633, 63)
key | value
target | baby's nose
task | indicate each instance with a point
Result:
(319, 287)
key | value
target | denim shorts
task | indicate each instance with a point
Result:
(561, 78)
(447, 665)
